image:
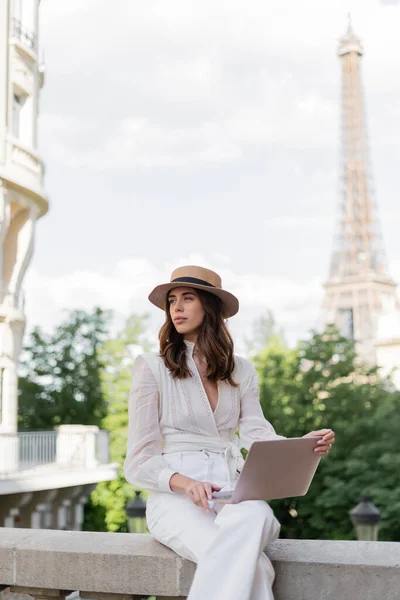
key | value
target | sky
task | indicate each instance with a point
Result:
(187, 132)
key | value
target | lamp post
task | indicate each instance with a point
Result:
(365, 518)
(136, 514)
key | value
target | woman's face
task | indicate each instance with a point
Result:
(186, 310)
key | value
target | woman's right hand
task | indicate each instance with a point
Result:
(199, 492)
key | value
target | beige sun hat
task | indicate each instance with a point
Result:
(199, 278)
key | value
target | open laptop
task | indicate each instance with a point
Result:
(274, 469)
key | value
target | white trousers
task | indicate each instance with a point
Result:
(227, 547)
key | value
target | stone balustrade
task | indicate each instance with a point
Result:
(26, 158)
(69, 447)
(49, 564)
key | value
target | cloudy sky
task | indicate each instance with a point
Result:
(179, 132)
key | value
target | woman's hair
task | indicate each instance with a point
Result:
(214, 343)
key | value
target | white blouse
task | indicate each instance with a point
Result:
(174, 415)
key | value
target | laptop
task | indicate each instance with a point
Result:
(274, 469)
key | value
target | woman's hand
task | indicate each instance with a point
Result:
(328, 438)
(199, 492)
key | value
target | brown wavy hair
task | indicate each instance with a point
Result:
(214, 342)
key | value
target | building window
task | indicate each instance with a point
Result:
(17, 9)
(16, 115)
(20, 15)
(346, 323)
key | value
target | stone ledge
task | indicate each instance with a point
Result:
(99, 562)
(117, 563)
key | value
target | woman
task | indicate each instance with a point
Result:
(186, 404)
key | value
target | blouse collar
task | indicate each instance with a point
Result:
(189, 347)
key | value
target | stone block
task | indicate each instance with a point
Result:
(329, 570)
(7, 546)
(101, 562)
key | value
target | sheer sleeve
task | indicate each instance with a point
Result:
(253, 426)
(144, 465)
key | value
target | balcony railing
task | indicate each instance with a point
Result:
(25, 158)
(70, 447)
(26, 37)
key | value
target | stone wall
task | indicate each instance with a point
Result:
(110, 566)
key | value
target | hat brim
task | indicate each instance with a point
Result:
(230, 303)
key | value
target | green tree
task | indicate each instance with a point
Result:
(60, 373)
(323, 383)
(106, 509)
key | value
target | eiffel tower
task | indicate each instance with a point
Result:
(359, 288)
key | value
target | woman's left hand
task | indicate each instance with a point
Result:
(328, 438)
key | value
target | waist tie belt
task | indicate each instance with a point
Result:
(232, 452)
(194, 442)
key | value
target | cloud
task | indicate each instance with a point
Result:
(296, 305)
(232, 111)
(139, 142)
(321, 223)
(174, 84)
(125, 289)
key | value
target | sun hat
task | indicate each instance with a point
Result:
(201, 279)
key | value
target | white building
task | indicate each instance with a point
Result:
(45, 477)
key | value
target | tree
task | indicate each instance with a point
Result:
(265, 331)
(106, 509)
(323, 383)
(60, 373)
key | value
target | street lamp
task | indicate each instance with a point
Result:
(365, 518)
(136, 514)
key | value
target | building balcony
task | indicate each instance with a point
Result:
(24, 169)
(42, 460)
(23, 36)
(10, 300)
(22, 72)
(25, 158)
